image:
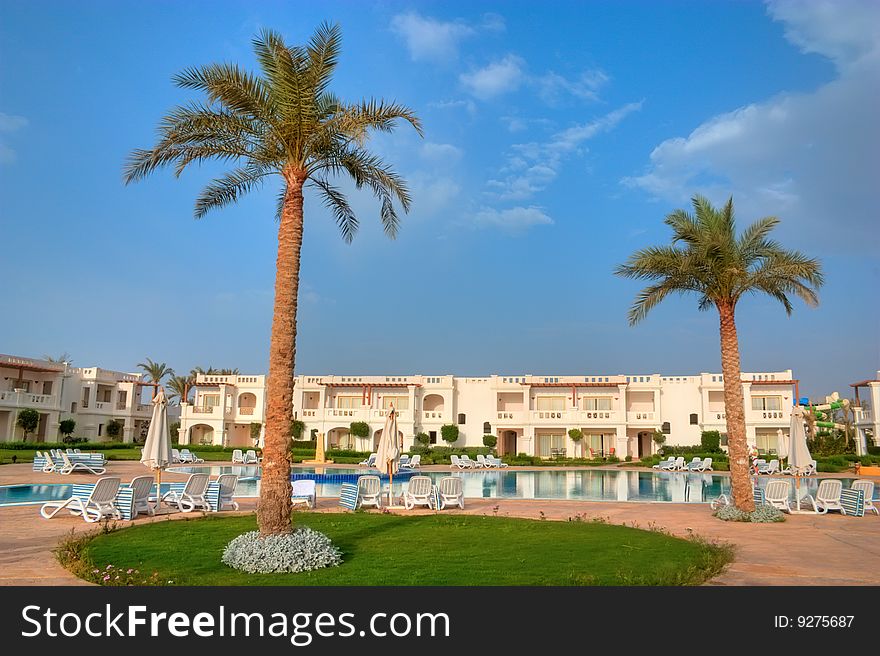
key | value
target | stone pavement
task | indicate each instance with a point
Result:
(804, 550)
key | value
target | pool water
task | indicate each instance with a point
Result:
(580, 485)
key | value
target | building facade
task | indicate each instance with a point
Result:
(867, 411)
(91, 396)
(532, 414)
(223, 410)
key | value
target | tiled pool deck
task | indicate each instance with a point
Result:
(804, 550)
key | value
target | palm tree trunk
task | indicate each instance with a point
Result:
(273, 511)
(738, 448)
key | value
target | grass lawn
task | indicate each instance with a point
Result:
(133, 453)
(387, 549)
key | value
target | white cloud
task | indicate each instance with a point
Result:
(498, 77)
(552, 86)
(530, 167)
(813, 158)
(454, 104)
(493, 22)
(10, 123)
(430, 39)
(440, 153)
(514, 219)
(432, 194)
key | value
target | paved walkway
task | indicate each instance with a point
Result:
(803, 550)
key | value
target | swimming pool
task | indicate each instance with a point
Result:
(578, 485)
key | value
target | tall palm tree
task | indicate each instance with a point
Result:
(156, 372)
(709, 259)
(284, 122)
(60, 359)
(179, 387)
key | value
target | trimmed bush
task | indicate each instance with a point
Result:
(114, 428)
(296, 429)
(359, 429)
(761, 515)
(449, 433)
(490, 441)
(28, 420)
(423, 439)
(710, 441)
(302, 550)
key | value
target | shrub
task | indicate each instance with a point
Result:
(423, 439)
(256, 427)
(711, 441)
(449, 433)
(66, 428)
(490, 441)
(28, 420)
(302, 550)
(359, 429)
(829, 444)
(628, 459)
(114, 428)
(296, 429)
(761, 515)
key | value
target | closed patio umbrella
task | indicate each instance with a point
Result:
(799, 459)
(388, 453)
(157, 449)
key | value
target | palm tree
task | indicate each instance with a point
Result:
(60, 359)
(284, 122)
(156, 371)
(179, 387)
(707, 258)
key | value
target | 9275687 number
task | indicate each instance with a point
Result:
(824, 621)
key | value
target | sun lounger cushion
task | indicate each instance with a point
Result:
(94, 460)
(212, 493)
(348, 497)
(124, 497)
(435, 497)
(759, 496)
(853, 502)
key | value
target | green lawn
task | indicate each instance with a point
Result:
(387, 549)
(133, 453)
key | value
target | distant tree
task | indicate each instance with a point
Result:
(28, 420)
(359, 429)
(156, 372)
(296, 429)
(490, 441)
(449, 433)
(114, 428)
(179, 387)
(424, 439)
(61, 359)
(256, 427)
(577, 435)
(66, 428)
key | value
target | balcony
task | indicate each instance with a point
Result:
(767, 416)
(209, 410)
(598, 416)
(11, 398)
(345, 413)
(511, 417)
(433, 416)
(552, 416)
(641, 416)
(121, 405)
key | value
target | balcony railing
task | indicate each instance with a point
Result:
(639, 415)
(433, 415)
(121, 405)
(245, 411)
(767, 415)
(13, 398)
(514, 416)
(204, 410)
(145, 407)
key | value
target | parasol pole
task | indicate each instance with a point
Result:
(390, 484)
(158, 487)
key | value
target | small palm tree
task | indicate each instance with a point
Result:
(179, 387)
(707, 258)
(60, 359)
(156, 372)
(284, 123)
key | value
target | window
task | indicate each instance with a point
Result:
(211, 400)
(766, 403)
(47, 387)
(100, 429)
(551, 402)
(694, 419)
(85, 398)
(399, 402)
(348, 402)
(73, 408)
(487, 427)
(433, 436)
(461, 418)
(766, 441)
(546, 444)
(665, 428)
(597, 403)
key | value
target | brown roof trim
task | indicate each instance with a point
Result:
(377, 385)
(572, 384)
(863, 383)
(772, 382)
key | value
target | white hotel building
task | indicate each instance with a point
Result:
(528, 414)
(91, 396)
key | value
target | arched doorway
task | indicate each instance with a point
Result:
(247, 401)
(201, 434)
(378, 436)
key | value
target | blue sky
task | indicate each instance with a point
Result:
(555, 144)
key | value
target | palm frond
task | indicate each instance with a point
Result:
(336, 202)
(229, 188)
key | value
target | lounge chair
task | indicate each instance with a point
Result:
(369, 462)
(706, 466)
(451, 493)
(496, 462)
(868, 488)
(141, 487)
(413, 463)
(468, 463)
(455, 461)
(369, 491)
(50, 466)
(770, 468)
(303, 491)
(694, 465)
(776, 494)
(678, 464)
(403, 461)
(250, 457)
(828, 496)
(70, 466)
(189, 496)
(227, 483)
(187, 456)
(175, 456)
(481, 461)
(665, 464)
(418, 492)
(93, 503)
(237, 457)
(348, 496)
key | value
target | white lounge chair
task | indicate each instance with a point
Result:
(418, 492)
(413, 463)
(451, 493)
(828, 496)
(468, 463)
(369, 462)
(227, 483)
(250, 457)
(707, 465)
(369, 491)
(51, 465)
(868, 488)
(99, 503)
(237, 457)
(403, 461)
(175, 456)
(69, 466)
(455, 461)
(141, 487)
(665, 464)
(496, 463)
(481, 461)
(676, 465)
(776, 494)
(303, 491)
(770, 468)
(191, 496)
(187, 456)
